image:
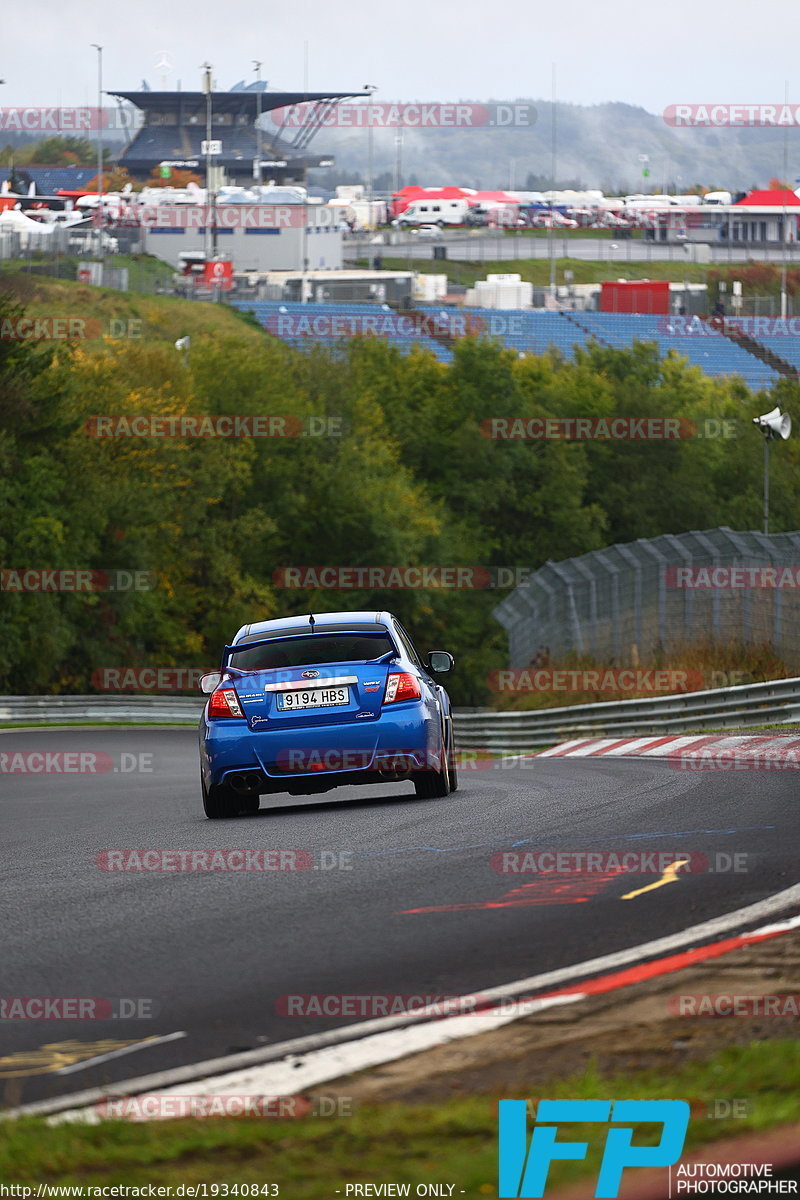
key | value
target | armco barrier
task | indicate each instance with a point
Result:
(776, 702)
(100, 710)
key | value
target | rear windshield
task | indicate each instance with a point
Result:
(312, 651)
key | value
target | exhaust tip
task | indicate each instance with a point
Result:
(246, 783)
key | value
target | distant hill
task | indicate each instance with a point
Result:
(598, 146)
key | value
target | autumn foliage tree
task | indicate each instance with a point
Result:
(176, 178)
(400, 471)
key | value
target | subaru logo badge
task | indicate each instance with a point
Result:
(310, 674)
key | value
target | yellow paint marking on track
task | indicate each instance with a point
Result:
(64, 1058)
(670, 875)
(55, 1055)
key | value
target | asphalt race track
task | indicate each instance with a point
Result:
(211, 953)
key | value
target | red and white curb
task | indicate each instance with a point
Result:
(293, 1067)
(783, 747)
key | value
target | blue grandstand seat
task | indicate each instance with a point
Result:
(302, 325)
(787, 348)
(534, 331)
(50, 180)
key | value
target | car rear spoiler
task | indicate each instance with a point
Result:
(229, 651)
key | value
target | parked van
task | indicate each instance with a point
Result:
(433, 212)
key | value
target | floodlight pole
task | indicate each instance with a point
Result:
(257, 171)
(304, 239)
(99, 50)
(551, 245)
(398, 162)
(372, 89)
(210, 240)
(785, 222)
(766, 483)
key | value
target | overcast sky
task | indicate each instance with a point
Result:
(646, 54)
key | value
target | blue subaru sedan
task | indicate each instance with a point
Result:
(305, 704)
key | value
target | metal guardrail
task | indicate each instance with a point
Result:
(776, 702)
(99, 710)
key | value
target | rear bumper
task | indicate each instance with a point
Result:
(394, 746)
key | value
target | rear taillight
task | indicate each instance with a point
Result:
(224, 703)
(401, 686)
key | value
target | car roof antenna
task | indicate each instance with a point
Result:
(311, 621)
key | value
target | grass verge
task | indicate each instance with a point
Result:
(537, 270)
(109, 315)
(454, 1142)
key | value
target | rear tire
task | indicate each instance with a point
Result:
(433, 785)
(220, 802)
(451, 763)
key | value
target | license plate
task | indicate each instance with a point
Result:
(314, 698)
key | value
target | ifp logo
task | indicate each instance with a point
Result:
(523, 1170)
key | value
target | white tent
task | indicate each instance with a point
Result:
(12, 220)
(16, 221)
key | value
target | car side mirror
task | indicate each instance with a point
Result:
(210, 681)
(439, 661)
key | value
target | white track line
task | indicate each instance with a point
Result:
(145, 1044)
(630, 746)
(296, 1075)
(340, 1039)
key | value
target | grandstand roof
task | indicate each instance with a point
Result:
(178, 140)
(235, 102)
(773, 198)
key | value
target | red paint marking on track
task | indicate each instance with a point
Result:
(571, 888)
(613, 746)
(572, 749)
(644, 971)
(651, 745)
(664, 966)
(691, 747)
